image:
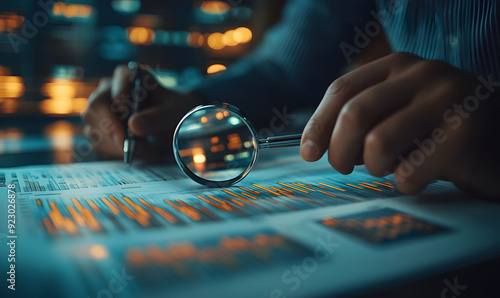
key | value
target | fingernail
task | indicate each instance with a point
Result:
(309, 150)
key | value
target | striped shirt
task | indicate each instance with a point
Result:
(463, 33)
(306, 51)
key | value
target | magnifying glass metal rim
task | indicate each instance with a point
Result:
(204, 181)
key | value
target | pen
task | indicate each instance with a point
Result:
(129, 142)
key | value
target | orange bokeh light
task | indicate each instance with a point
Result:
(214, 7)
(11, 87)
(195, 39)
(214, 41)
(62, 97)
(229, 38)
(215, 68)
(141, 35)
(72, 10)
(10, 21)
(243, 34)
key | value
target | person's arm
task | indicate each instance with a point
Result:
(296, 61)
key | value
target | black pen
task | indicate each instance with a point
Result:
(129, 142)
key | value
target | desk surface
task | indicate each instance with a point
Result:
(60, 136)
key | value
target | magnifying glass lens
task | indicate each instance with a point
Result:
(215, 145)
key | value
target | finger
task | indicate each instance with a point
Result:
(102, 93)
(162, 118)
(154, 120)
(419, 169)
(104, 129)
(316, 135)
(150, 93)
(120, 81)
(101, 143)
(360, 114)
(155, 94)
(400, 133)
(102, 118)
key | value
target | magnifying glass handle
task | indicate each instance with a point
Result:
(280, 142)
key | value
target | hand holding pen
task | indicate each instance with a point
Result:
(112, 115)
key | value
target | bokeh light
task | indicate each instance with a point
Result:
(243, 34)
(72, 10)
(11, 87)
(141, 35)
(215, 41)
(215, 68)
(214, 7)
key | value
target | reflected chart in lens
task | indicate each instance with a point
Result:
(216, 144)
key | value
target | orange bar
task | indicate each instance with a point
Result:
(330, 222)
(369, 223)
(70, 227)
(234, 201)
(328, 193)
(137, 207)
(136, 257)
(190, 209)
(157, 255)
(397, 218)
(56, 220)
(239, 197)
(368, 184)
(93, 205)
(92, 223)
(49, 226)
(78, 218)
(370, 187)
(111, 206)
(263, 188)
(209, 213)
(387, 185)
(62, 222)
(304, 191)
(250, 191)
(56, 217)
(169, 217)
(186, 209)
(302, 185)
(286, 190)
(332, 186)
(232, 193)
(283, 191)
(38, 202)
(250, 196)
(353, 186)
(124, 208)
(222, 205)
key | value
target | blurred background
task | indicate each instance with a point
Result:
(52, 55)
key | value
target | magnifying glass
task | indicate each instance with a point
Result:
(216, 146)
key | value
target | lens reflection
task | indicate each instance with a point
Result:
(216, 144)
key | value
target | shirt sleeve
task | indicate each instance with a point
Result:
(296, 61)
